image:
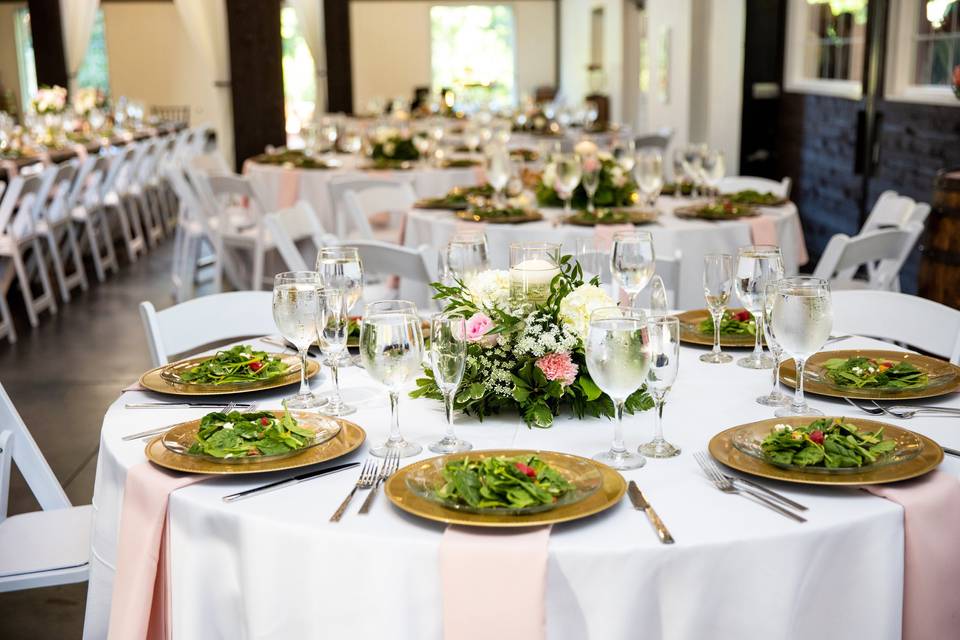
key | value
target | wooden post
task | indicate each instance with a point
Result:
(48, 53)
(336, 26)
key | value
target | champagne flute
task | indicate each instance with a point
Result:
(717, 284)
(295, 295)
(568, 177)
(775, 398)
(391, 349)
(757, 266)
(590, 177)
(664, 334)
(625, 153)
(712, 168)
(465, 255)
(659, 305)
(499, 170)
(333, 325)
(648, 172)
(448, 356)
(802, 318)
(618, 357)
(341, 268)
(632, 262)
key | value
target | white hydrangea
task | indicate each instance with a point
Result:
(490, 289)
(541, 336)
(617, 176)
(586, 148)
(576, 308)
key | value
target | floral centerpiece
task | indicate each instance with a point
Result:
(49, 101)
(86, 99)
(527, 357)
(391, 145)
(616, 189)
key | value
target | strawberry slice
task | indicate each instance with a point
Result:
(256, 366)
(527, 471)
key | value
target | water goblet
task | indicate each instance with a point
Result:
(648, 172)
(757, 266)
(632, 262)
(295, 300)
(448, 357)
(664, 335)
(341, 268)
(465, 255)
(775, 398)
(717, 284)
(333, 325)
(590, 177)
(568, 177)
(499, 169)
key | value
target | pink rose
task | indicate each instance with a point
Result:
(591, 164)
(478, 326)
(558, 366)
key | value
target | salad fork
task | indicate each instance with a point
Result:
(368, 474)
(389, 466)
(754, 485)
(149, 433)
(905, 411)
(725, 485)
(872, 411)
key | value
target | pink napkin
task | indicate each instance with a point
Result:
(802, 256)
(140, 605)
(494, 583)
(603, 235)
(136, 386)
(11, 167)
(289, 188)
(763, 229)
(931, 572)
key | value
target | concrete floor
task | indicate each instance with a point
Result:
(62, 376)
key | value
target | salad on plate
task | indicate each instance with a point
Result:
(831, 443)
(869, 373)
(238, 364)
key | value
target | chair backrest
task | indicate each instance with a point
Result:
(121, 166)
(890, 210)
(412, 266)
(293, 226)
(916, 321)
(56, 208)
(192, 324)
(888, 249)
(732, 184)
(237, 204)
(18, 447)
(21, 200)
(355, 199)
(87, 188)
(659, 139)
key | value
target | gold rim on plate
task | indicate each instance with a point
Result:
(722, 448)
(948, 374)
(584, 219)
(348, 439)
(154, 381)
(689, 333)
(610, 492)
(529, 216)
(696, 212)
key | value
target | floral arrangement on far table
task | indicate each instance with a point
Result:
(527, 357)
(392, 145)
(617, 188)
(49, 101)
(86, 99)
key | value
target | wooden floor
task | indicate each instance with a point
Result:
(62, 376)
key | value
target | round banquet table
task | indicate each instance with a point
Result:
(694, 238)
(275, 567)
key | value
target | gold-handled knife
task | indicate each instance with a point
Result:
(640, 504)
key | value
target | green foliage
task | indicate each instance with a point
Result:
(867, 373)
(827, 442)
(608, 194)
(501, 482)
(259, 433)
(396, 148)
(237, 364)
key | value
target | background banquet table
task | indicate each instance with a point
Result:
(694, 238)
(273, 566)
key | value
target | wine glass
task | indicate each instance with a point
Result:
(632, 261)
(717, 284)
(775, 398)
(802, 318)
(712, 168)
(351, 141)
(471, 138)
(659, 305)
(691, 158)
(664, 335)
(757, 266)
(333, 325)
(618, 357)
(568, 177)
(422, 143)
(499, 169)
(391, 349)
(465, 255)
(448, 356)
(590, 177)
(648, 172)
(591, 259)
(328, 134)
(295, 300)
(625, 154)
(341, 268)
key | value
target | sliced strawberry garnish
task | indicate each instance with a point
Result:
(527, 471)
(256, 366)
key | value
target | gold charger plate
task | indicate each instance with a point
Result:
(722, 448)
(348, 439)
(582, 219)
(530, 216)
(696, 211)
(689, 333)
(945, 377)
(154, 381)
(610, 492)
(439, 204)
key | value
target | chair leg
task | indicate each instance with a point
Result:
(25, 289)
(6, 321)
(98, 218)
(47, 299)
(257, 275)
(57, 260)
(90, 235)
(79, 275)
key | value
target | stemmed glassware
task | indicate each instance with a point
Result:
(464, 256)
(448, 357)
(590, 177)
(712, 168)
(328, 134)
(717, 284)
(659, 305)
(391, 349)
(499, 169)
(757, 266)
(341, 268)
(351, 141)
(568, 177)
(664, 334)
(690, 160)
(775, 398)
(648, 172)
(618, 358)
(632, 261)
(295, 300)
(625, 153)
(333, 325)
(802, 318)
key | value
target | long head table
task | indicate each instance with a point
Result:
(274, 566)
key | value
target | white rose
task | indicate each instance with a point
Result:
(489, 289)
(585, 148)
(576, 308)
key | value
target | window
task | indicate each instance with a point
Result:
(825, 46)
(472, 52)
(924, 50)
(94, 71)
(25, 64)
(299, 76)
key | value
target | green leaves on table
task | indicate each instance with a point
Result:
(259, 433)
(501, 482)
(867, 373)
(828, 442)
(237, 364)
(735, 323)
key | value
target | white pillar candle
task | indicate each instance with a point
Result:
(531, 278)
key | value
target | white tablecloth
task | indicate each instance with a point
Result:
(694, 238)
(274, 567)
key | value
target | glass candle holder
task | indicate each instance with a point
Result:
(533, 265)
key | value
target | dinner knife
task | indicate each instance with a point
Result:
(279, 484)
(640, 504)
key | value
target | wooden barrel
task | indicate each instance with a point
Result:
(940, 247)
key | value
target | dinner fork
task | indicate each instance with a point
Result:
(724, 484)
(149, 433)
(905, 411)
(875, 412)
(389, 466)
(755, 485)
(367, 475)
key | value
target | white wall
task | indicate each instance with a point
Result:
(575, 21)
(390, 47)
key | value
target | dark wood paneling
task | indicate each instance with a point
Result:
(48, 53)
(336, 24)
(256, 73)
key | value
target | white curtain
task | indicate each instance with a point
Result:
(310, 17)
(76, 21)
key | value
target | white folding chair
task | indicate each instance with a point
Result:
(87, 210)
(890, 210)
(295, 226)
(196, 242)
(186, 326)
(6, 321)
(42, 548)
(659, 139)
(732, 184)
(116, 197)
(411, 266)
(144, 189)
(887, 249)
(358, 200)
(55, 224)
(890, 315)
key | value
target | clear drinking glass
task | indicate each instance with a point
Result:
(448, 356)
(295, 300)
(775, 398)
(618, 357)
(717, 284)
(659, 305)
(802, 318)
(333, 325)
(712, 168)
(692, 156)
(465, 255)
(590, 177)
(351, 141)
(625, 153)
(757, 266)
(568, 177)
(341, 268)
(499, 169)
(391, 349)
(632, 261)
(664, 334)
(648, 172)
